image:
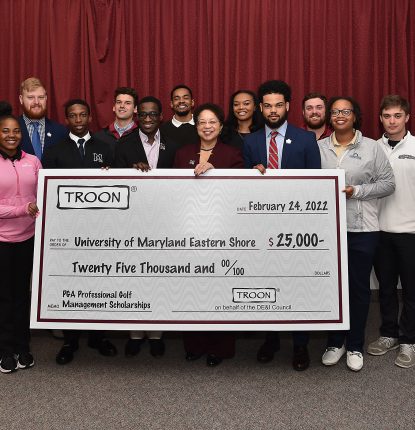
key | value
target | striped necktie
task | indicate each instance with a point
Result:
(273, 151)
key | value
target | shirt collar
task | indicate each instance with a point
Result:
(76, 138)
(17, 156)
(352, 142)
(282, 130)
(144, 137)
(122, 130)
(385, 137)
(28, 121)
(177, 123)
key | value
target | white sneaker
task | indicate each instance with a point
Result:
(354, 360)
(332, 355)
(406, 356)
(382, 345)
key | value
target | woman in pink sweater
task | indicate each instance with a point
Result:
(18, 209)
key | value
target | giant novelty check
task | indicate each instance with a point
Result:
(163, 250)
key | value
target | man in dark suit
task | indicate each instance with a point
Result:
(38, 131)
(146, 149)
(280, 145)
(76, 151)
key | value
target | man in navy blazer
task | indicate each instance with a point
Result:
(33, 99)
(299, 149)
(295, 149)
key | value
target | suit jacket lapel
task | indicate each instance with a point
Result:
(48, 134)
(163, 152)
(26, 142)
(262, 147)
(286, 148)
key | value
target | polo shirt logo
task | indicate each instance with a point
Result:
(356, 156)
(98, 157)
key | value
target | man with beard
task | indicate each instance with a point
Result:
(314, 114)
(38, 131)
(125, 107)
(181, 129)
(280, 145)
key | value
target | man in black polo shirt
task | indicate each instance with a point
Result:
(181, 128)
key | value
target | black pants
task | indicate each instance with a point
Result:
(361, 248)
(300, 338)
(395, 258)
(16, 261)
(71, 337)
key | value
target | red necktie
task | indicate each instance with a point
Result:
(273, 151)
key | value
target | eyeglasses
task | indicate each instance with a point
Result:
(152, 115)
(337, 112)
(395, 115)
(210, 123)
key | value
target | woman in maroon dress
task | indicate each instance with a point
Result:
(210, 153)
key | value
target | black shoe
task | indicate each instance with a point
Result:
(8, 363)
(157, 347)
(132, 347)
(301, 359)
(266, 352)
(25, 360)
(57, 334)
(104, 347)
(190, 356)
(65, 355)
(213, 360)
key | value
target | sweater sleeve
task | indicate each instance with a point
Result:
(10, 211)
(383, 179)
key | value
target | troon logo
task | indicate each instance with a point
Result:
(100, 197)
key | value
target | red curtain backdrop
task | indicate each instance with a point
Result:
(86, 48)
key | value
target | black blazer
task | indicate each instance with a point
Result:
(131, 151)
(65, 155)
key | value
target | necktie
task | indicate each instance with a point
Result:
(37, 145)
(273, 151)
(81, 147)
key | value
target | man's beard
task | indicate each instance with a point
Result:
(315, 126)
(277, 124)
(34, 115)
(182, 112)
